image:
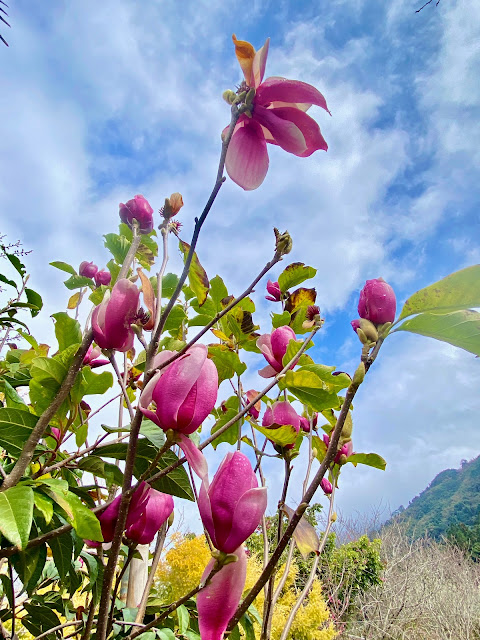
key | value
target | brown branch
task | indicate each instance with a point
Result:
(423, 6)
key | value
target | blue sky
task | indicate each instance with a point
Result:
(101, 101)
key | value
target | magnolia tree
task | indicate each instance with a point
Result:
(82, 502)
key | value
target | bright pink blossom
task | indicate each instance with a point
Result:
(274, 346)
(92, 358)
(233, 505)
(279, 414)
(218, 601)
(345, 450)
(137, 209)
(87, 269)
(377, 302)
(184, 394)
(112, 319)
(102, 277)
(274, 290)
(305, 424)
(278, 116)
(57, 434)
(326, 486)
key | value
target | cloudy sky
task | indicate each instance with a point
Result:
(101, 101)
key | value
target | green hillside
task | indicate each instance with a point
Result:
(453, 497)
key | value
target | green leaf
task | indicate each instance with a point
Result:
(153, 433)
(459, 290)
(293, 348)
(67, 330)
(208, 308)
(183, 618)
(176, 483)
(324, 372)
(16, 514)
(294, 274)
(29, 565)
(40, 619)
(92, 563)
(97, 295)
(98, 467)
(247, 625)
(81, 434)
(280, 319)
(310, 390)
(63, 266)
(283, 435)
(227, 362)
(15, 262)
(460, 328)
(62, 550)
(166, 634)
(13, 400)
(175, 318)
(218, 291)
(370, 459)
(6, 280)
(169, 284)
(77, 282)
(35, 299)
(44, 505)
(117, 245)
(15, 429)
(231, 434)
(96, 383)
(48, 369)
(197, 276)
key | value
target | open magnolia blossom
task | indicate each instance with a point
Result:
(277, 116)
(183, 394)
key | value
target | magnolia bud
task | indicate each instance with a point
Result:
(283, 242)
(369, 329)
(229, 96)
(333, 517)
(359, 375)
(377, 302)
(342, 459)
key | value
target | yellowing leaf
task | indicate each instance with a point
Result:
(197, 276)
(305, 535)
(73, 301)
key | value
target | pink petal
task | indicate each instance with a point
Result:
(176, 383)
(218, 601)
(264, 343)
(246, 518)
(138, 504)
(206, 391)
(97, 327)
(268, 372)
(280, 89)
(247, 157)
(279, 341)
(259, 63)
(161, 357)
(120, 314)
(195, 457)
(307, 125)
(285, 133)
(205, 509)
(158, 508)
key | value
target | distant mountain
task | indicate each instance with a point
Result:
(452, 498)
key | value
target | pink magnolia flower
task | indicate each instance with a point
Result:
(377, 302)
(233, 505)
(279, 414)
(274, 346)
(112, 319)
(102, 277)
(57, 435)
(274, 290)
(87, 269)
(326, 486)
(278, 116)
(218, 601)
(255, 410)
(184, 394)
(139, 209)
(92, 358)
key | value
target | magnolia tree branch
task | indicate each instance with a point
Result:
(307, 497)
(29, 449)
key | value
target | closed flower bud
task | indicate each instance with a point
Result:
(377, 302)
(137, 209)
(87, 269)
(102, 277)
(326, 486)
(229, 96)
(359, 375)
(112, 319)
(274, 347)
(274, 290)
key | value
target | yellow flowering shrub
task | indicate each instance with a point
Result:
(183, 567)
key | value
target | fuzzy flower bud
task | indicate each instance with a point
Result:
(377, 302)
(283, 243)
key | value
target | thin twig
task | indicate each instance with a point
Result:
(151, 576)
(113, 362)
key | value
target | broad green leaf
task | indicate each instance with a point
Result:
(97, 295)
(183, 618)
(295, 274)
(176, 483)
(153, 433)
(6, 280)
(293, 348)
(48, 369)
(200, 320)
(81, 434)
(286, 434)
(459, 290)
(310, 389)
(175, 318)
(96, 383)
(208, 308)
(44, 505)
(15, 262)
(280, 319)
(92, 563)
(218, 291)
(460, 328)
(370, 459)
(40, 619)
(248, 627)
(35, 299)
(197, 276)
(117, 245)
(336, 382)
(16, 514)
(169, 284)
(77, 282)
(227, 362)
(231, 434)
(29, 565)
(67, 330)
(15, 429)
(12, 399)
(63, 266)
(98, 467)
(62, 550)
